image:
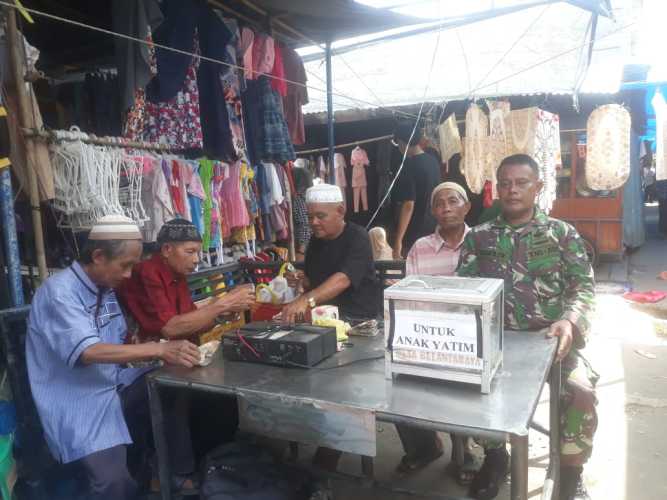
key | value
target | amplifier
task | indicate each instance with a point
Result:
(270, 343)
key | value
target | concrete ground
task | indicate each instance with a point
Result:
(630, 457)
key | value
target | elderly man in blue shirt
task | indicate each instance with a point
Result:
(76, 355)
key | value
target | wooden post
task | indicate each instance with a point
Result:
(17, 63)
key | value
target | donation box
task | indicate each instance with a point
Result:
(448, 328)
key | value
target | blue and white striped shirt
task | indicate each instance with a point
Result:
(78, 404)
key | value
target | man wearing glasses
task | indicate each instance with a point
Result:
(548, 287)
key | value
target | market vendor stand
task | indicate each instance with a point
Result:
(337, 408)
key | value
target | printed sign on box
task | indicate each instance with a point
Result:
(436, 338)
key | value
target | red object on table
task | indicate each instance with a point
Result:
(645, 297)
(265, 312)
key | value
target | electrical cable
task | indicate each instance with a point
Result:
(354, 361)
(414, 129)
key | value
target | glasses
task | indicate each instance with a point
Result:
(520, 184)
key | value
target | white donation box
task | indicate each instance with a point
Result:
(447, 328)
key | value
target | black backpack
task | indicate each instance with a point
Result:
(243, 471)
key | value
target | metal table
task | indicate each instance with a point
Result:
(330, 406)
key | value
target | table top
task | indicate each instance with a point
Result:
(351, 378)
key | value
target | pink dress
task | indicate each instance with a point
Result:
(359, 161)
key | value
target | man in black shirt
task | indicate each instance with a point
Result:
(339, 261)
(419, 176)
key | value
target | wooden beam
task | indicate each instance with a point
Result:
(17, 64)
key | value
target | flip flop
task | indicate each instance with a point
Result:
(486, 484)
(408, 464)
(466, 472)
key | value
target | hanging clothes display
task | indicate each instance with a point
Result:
(359, 162)
(263, 55)
(322, 168)
(450, 139)
(177, 30)
(339, 173)
(500, 140)
(660, 108)
(536, 132)
(608, 147)
(137, 19)
(214, 38)
(297, 94)
(231, 85)
(278, 82)
(276, 142)
(162, 208)
(475, 148)
(244, 50)
(177, 122)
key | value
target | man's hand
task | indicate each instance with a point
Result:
(295, 310)
(239, 299)
(562, 329)
(294, 279)
(179, 352)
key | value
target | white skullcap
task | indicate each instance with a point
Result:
(449, 185)
(324, 193)
(115, 227)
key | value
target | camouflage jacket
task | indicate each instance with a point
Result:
(547, 273)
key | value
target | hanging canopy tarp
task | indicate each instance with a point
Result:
(540, 49)
(321, 20)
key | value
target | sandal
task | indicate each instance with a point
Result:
(466, 472)
(184, 485)
(486, 484)
(411, 464)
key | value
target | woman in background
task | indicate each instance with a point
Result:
(381, 249)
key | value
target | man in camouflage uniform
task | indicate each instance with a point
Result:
(548, 285)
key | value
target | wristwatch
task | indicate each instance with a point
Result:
(311, 303)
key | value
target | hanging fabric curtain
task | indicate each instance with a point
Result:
(500, 140)
(536, 132)
(475, 148)
(450, 139)
(608, 147)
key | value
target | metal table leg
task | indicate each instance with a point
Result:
(157, 419)
(552, 482)
(367, 466)
(519, 472)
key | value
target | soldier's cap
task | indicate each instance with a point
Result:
(449, 185)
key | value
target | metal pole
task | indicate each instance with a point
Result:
(159, 437)
(519, 467)
(551, 488)
(330, 114)
(17, 65)
(9, 236)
